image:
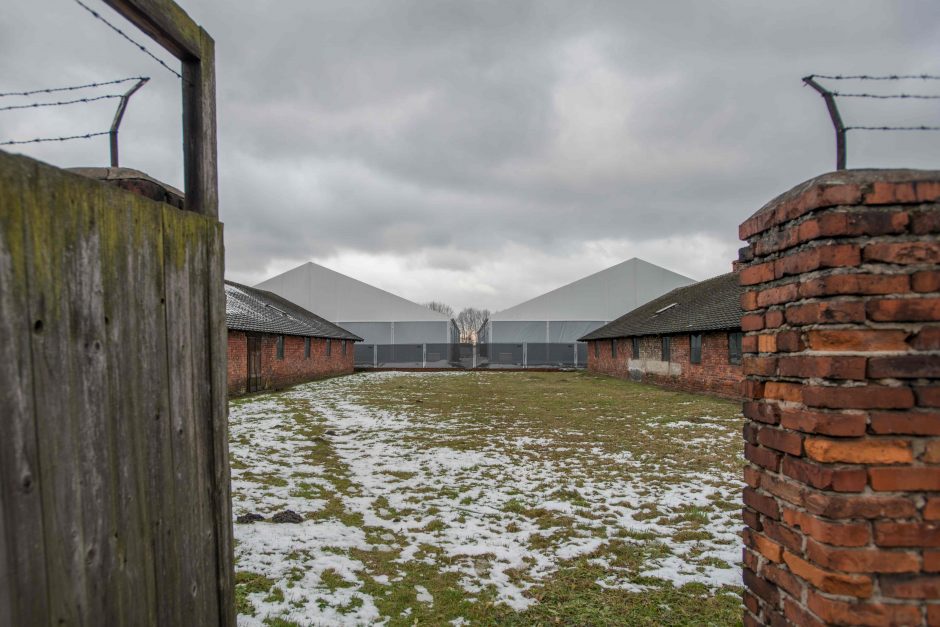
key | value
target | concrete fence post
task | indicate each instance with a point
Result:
(842, 401)
(375, 355)
(424, 355)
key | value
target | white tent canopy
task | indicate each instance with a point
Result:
(568, 312)
(378, 316)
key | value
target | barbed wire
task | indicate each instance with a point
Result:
(125, 36)
(39, 140)
(60, 103)
(888, 96)
(51, 90)
(887, 77)
(892, 128)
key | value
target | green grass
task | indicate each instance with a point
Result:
(247, 583)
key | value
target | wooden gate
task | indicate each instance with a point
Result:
(254, 363)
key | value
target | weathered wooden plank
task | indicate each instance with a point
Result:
(186, 280)
(221, 472)
(165, 22)
(69, 376)
(165, 498)
(199, 130)
(84, 360)
(7, 574)
(23, 584)
(202, 423)
(132, 245)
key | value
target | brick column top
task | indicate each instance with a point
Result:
(841, 302)
(845, 187)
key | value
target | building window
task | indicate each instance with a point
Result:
(666, 347)
(636, 347)
(306, 348)
(734, 347)
(613, 349)
(597, 349)
(344, 347)
(329, 347)
(695, 348)
(280, 347)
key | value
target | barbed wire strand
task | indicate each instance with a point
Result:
(888, 96)
(125, 36)
(892, 128)
(38, 140)
(60, 103)
(887, 77)
(51, 90)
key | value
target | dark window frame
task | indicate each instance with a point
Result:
(734, 347)
(666, 345)
(695, 352)
(307, 347)
(613, 348)
(344, 347)
(329, 347)
(635, 341)
(597, 349)
(279, 347)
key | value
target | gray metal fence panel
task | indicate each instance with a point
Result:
(466, 356)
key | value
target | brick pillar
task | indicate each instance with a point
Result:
(842, 365)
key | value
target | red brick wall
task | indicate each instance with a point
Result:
(237, 362)
(715, 375)
(294, 368)
(842, 504)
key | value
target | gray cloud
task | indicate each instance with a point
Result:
(442, 134)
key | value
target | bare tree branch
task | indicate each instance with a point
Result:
(440, 307)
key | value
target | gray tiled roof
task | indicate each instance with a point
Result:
(251, 309)
(710, 305)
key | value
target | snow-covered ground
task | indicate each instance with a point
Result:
(393, 491)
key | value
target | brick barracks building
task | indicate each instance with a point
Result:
(273, 343)
(688, 339)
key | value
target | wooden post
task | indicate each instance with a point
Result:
(167, 24)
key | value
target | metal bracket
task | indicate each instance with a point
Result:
(836, 119)
(118, 116)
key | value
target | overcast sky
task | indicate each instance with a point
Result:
(481, 153)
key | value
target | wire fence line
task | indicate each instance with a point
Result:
(140, 80)
(892, 128)
(60, 103)
(123, 99)
(888, 96)
(51, 90)
(139, 45)
(885, 77)
(841, 129)
(39, 140)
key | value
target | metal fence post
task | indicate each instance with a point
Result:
(836, 118)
